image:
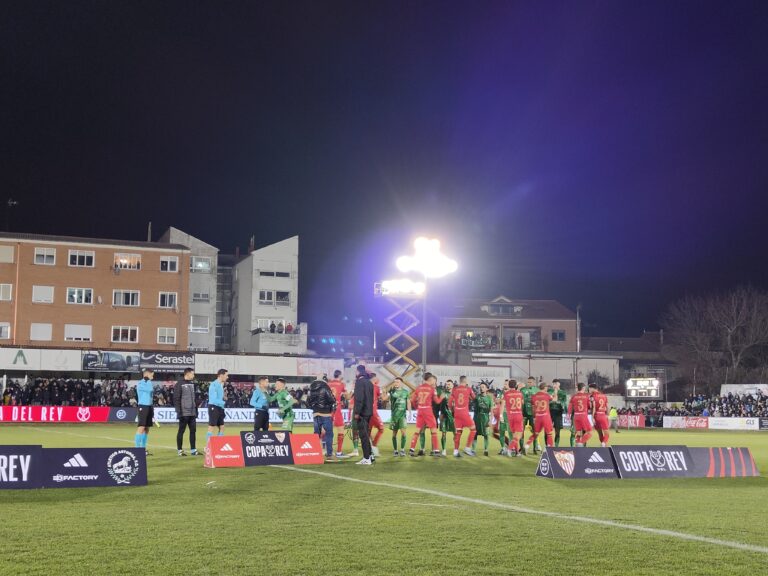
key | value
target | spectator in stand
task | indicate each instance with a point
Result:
(186, 411)
(280, 328)
(289, 328)
(323, 405)
(273, 327)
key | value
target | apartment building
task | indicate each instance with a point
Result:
(68, 292)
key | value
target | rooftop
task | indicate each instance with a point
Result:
(503, 307)
(82, 240)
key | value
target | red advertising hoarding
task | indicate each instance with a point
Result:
(54, 414)
(307, 449)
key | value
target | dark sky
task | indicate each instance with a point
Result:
(609, 153)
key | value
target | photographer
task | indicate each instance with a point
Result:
(323, 405)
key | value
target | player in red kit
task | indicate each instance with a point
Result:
(375, 421)
(461, 397)
(578, 409)
(600, 414)
(339, 391)
(542, 420)
(425, 396)
(512, 402)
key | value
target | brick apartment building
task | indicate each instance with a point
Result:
(65, 292)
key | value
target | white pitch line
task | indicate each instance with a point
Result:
(557, 515)
(124, 440)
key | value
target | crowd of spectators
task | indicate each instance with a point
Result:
(68, 392)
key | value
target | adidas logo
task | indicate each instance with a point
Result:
(306, 446)
(77, 461)
(227, 448)
(596, 458)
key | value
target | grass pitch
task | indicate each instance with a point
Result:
(194, 521)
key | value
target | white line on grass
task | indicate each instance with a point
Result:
(124, 440)
(557, 515)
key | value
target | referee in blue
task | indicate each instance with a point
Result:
(144, 391)
(216, 404)
(260, 405)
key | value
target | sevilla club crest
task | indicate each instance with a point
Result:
(566, 461)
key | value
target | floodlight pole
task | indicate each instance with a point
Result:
(424, 330)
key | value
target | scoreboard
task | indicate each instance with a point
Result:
(643, 388)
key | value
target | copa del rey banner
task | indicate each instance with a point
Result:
(54, 414)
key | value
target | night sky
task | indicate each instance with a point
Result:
(613, 154)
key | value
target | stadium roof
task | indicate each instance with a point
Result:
(82, 240)
(503, 307)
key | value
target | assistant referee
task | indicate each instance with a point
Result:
(144, 391)
(216, 404)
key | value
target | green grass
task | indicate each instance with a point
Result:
(278, 521)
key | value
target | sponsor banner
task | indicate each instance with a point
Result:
(264, 448)
(86, 467)
(317, 366)
(21, 467)
(60, 360)
(653, 461)
(577, 463)
(70, 414)
(307, 449)
(723, 463)
(686, 422)
(123, 414)
(246, 365)
(494, 374)
(224, 452)
(763, 423)
(19, 359)
(110, 361)
(167, 361)
(734, 423)
(245, 415)
(753, 389)
(631, 421)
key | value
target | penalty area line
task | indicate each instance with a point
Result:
(555, 515)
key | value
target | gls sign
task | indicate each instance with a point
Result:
(653, 461)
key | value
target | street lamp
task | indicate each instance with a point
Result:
(428, 261)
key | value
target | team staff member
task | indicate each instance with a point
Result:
(144, 390)
(260, 405)
(186, 411)
(363, 410)
(216, 404)
(557, 407)
(528, 420)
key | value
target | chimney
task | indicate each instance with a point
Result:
(237, 252)
(661, 336)
(149, 232)
(252, 244)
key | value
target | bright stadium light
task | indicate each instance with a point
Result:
(402, 287)
(427, 259)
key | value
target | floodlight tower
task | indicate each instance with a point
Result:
(429, 262)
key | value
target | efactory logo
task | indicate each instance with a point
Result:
(596, 458)
(77, 461)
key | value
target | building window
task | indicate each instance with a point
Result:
(266, 297)
(77, 332)
(42, 332)
(283, 274)
(266, 273)
(198, 324)
(81, 258)
(6, 292)
(282, 298)
(166, 335)
(42, 294)
(125, 334)
(79, 296)
(201, 297)
(558, 335)
(200, 264)
(45, 256)
(169, 263)
(125, 298)
(127, 261)
(167, 300)
(5, 330)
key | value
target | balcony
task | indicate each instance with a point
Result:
(275, 343)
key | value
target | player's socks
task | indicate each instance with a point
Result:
(220, 433)
(403, 440)
(339, 442)
(605, 437)
(474, 444)
(442, 441)
(414, 440)
(573, 438)
(470, 439)
(585, 437)
(394, 441)
(137, 440)
(434, 442)
(144, 438)
(422, 440)
(457, 439)
(549, 440)
(557, 437)
(378, 437)
(208, 436)
(355, 444)
(485, 444)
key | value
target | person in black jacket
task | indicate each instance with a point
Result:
(363, 412)
(323, 405)
(186, 410)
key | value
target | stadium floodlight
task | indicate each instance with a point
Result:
(427, 259)
(402, 287)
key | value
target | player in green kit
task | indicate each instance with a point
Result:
(528, 392)
(446, 416)
(482, 406)
(285, 404)
(400, 403)
(557, 407)
(502, 421)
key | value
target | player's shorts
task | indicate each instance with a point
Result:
(146, 416)
(581, 423)
(482, 421)
(557, 419)
(288, 421)
(215, 416)
(516, 425)
(398, 422)
(542, 423)
(338, 419)
(447, 423)
(601, 422)
(463, 420)
(375, 422)
(528, 420)
(425, 419)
